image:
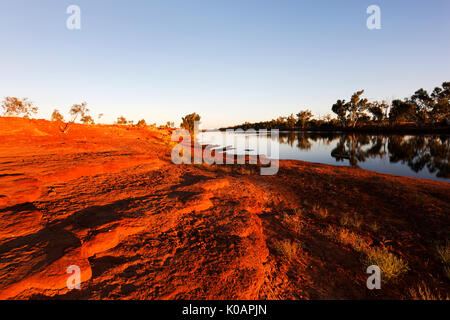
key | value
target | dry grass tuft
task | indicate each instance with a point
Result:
(444, 252)
(351, 221)
(287, 249)
(423, 292)
(294, 223)
(374, 227)
(347, 237)
(319, 211)
(391, 266)
(447, 271)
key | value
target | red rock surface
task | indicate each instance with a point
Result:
(109, 200)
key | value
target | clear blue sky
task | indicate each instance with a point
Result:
(229, 60)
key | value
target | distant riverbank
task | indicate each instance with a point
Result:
(398, 129)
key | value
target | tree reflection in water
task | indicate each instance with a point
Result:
(417, 152)
(432, 152)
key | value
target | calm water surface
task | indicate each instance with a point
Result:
(419, 156)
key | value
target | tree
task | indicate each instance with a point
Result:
(87, 119)
(141, 123)
(441, 106)
(121, 120)
(357, 107)
(280, 122)
(376, 112)
(379, 110)
(434, 107)
(75, 111)
(423, 104)
(189, 121)
(303, 117)
(13, 106)
(385, 106)
(340, 109)
(291, 121)
(79, 110)
(402, 111)
(57, 116)
(353, 111)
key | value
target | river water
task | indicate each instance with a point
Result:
(419, 156)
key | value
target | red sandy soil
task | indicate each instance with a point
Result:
(109, 199)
